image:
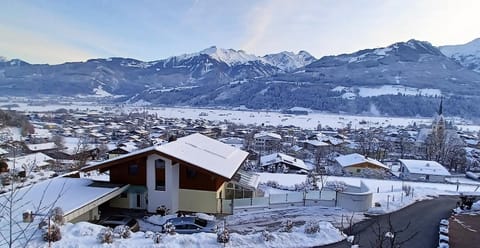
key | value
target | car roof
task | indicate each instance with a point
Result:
(182, 219)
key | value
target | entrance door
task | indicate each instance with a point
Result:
(137, 200)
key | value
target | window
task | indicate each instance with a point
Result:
(160, 174)
(191, 173)
(359, 170)
(133, 169)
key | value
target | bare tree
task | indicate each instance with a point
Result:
(14, 232)
(389, 236)
(81, 153)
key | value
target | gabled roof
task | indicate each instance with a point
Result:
(267, 134)
(280, 157)
(425, 167)
(206, 153)
(355, 158)
(194, 150)
(37, 159)
(316, 143)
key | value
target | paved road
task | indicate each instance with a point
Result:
(423, 217)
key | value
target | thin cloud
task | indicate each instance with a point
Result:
(37, 49)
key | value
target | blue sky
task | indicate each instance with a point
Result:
(41, 31)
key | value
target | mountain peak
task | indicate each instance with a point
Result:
(229, 56)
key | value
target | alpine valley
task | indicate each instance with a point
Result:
(403, 79)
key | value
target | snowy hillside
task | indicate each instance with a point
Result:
(467, 54)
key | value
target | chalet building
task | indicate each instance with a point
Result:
(356, 164)
(122, 149)
(189, 174)
(279, 162)
(422, 170)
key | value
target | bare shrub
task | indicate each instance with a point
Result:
(106, 235)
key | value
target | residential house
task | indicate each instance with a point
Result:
(29, 162)
(41, 147)
(189, 174)
(422, 170)
(359, 165)
(121, 149)
(279, 162)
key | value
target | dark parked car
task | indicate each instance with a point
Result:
(189, 225)
(117, 220)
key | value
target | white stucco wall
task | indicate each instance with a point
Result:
(169, 197)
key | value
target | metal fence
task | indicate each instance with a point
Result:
(322, 198)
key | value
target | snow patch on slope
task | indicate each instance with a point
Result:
(352, 92)
(467, 55)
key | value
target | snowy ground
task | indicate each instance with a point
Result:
(388, 193)
(241, 116)
(85, 234)
(247, 227)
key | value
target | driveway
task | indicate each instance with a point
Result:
(422, 219)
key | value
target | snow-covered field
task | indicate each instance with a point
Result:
(243, 116)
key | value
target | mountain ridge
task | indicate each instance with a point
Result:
(405, 78)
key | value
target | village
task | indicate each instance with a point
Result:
(95, 163)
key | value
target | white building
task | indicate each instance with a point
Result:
(422, 170)
(266, 141)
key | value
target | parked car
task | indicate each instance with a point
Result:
(117, 220)
(192, 224)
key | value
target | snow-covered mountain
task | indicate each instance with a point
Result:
(404, 78)
(289, 61)
(286, 61)
(467, 54)
(228, 56)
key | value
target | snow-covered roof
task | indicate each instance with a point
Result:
(42, 146)
(127, 146)
(267, 134)
(197, 150)
(316, 143)
(247, 179)
(206, 153)
(355, 158)
(67, 193)
(42, 133)
(280, 157)
(37, 159)
(425, 167)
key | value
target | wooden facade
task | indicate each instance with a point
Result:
(198, 179)
(132, 171)
(191, 176)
